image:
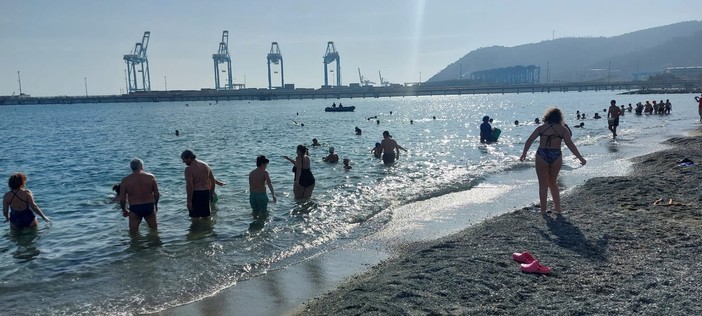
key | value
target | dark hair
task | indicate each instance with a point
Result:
(17, 180)
(116, 188)
(302, 149)
(187, 154)
(261, 160)
(553, 116)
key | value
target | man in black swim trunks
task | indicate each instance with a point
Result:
(613, 117)
(141, 190)
(199, 183)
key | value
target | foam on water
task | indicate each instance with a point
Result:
(73, 154)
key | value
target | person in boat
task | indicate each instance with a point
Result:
(341, 106)
(18, 204)
(334, 104)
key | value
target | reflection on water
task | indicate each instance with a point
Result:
(201, 228)
(25, 240)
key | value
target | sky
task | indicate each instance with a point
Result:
(60, 47)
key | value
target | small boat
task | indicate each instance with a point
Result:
(340, 109)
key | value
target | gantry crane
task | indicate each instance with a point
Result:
(383, 82)
(363, 81)
(275, 57)
(330, 56)
(138, 57)
(222, 56)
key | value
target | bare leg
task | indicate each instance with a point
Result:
(542, 173)
(151, 221)
(299, 191)
(553, 171)
(134, 221)
(308, 192)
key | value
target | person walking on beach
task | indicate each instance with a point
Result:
(18, 204)
(548, 156)
(699, 106)
(258, 180)
(141, 190)
(613, 117)
(199, 185)
(390, 149)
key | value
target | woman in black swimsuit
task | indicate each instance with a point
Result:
(304, 180)
(548, 155)
(18, 204)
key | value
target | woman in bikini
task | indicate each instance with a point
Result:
(548, 157)
(18, 204)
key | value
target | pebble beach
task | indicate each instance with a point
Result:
(625, 245)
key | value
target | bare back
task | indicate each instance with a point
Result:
(21, 201)
(199, 175)
(139, 188)
(258, 178)
(389, 145)
(550, 135)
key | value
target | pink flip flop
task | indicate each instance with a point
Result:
(535, 267)
(523, 257)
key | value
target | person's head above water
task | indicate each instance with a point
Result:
(486, 118)
(261, 160)
(377, 145)
(387, 134)
(331, 150)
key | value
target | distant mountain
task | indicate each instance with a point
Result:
(584, 59)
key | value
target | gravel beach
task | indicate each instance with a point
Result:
(625, 245)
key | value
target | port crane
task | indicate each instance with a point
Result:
(138, 58)
(222, 56)
(330, 56)
(383, 82)
(363, 81)
(275, 57)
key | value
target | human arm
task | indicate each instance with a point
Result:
(35, 207)
(298, 169)
(569, 143)
(219, 183)
(123, 199)
(189, 187)
(528, 143)
(270, 186)
(289, 159)
(5, 208)
(156, 193)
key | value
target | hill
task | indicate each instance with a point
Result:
(583, 59)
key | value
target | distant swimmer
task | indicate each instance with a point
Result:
(390, 112)
(199, 185)
(411, 121)
(377, 122)
(434, 117)
(315, 143)
(116, 189)
(187, 104)
(597, 116)
(141, 191)
(347, 164)
(516, 123)
(357, 131)
(177, 133)
(377, 150)
(390, 148)
(332, 157)
(581, 125)
(536, 121)
(258, 180)
(18, 204)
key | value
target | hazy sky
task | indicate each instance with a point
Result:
(56, 44)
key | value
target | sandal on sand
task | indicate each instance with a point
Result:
(535, 267)
(523, 257)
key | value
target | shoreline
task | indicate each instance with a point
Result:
(614, 251)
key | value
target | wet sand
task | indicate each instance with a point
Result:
(614, 251)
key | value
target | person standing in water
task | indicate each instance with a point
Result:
(486, 131)
(141, 190)
(548, 157)
(699, 106)
(390, 149)
(613, 117)
(199, 185)
(258, 180)
(18, 204)
(304, 179)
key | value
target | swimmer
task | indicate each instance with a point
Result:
(347, 165)
(357, 131)
(258, 180)
(377, 150)
(332, 157)
(18, 204)
(315, 143)
(141, 191)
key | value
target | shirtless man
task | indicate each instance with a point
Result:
(613, 117)
(141, 190)
(390, 148)
(699, 106)
(258, 180)
(199, 185)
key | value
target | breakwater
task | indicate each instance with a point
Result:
(343, 92)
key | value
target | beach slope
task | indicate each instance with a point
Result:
(626, 245)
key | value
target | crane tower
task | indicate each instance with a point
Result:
(383, 82)
(330, 56)
(275, 57)
(363, 81)
(222, 56)
(138, 57)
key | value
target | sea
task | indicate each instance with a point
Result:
(86, 263)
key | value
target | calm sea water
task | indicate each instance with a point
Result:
(86, 262)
